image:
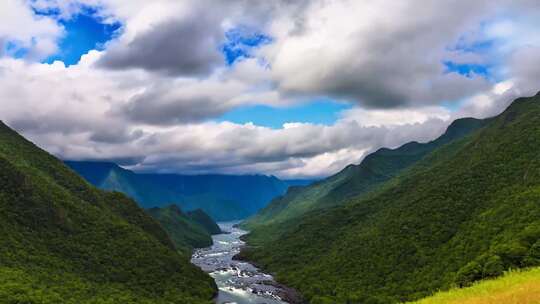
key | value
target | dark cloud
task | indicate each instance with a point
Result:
(2, 46)
(115, 136)
(163, 106)
(188, 46)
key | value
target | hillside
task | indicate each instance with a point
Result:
(467, 211)
(63, 241)
(203, 219)
(223, 197)
(185, 231)
(354, 180)
(521, 287)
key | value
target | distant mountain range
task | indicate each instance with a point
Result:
(223, 197)
(410, 221)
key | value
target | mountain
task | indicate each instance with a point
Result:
(64, 241)
(187, 231)
(223, 197)
(354, 180)
(468, 210)
(203, 219)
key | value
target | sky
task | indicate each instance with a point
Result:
(295, 89)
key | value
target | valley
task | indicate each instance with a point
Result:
(399, 226)
(269, 152)
(238, 282)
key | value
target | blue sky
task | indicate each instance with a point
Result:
(84, 32)
(239, 43)
(468, 69)
(320, 112)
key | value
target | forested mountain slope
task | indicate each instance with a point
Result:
(203, 219)
(467, 211)
(187, 231)
(354, 180)
(63, 241)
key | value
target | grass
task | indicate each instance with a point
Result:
(516, 287)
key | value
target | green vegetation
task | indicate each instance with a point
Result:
(205, 221)
(223, 197)
(514, 287)
(467, 211)
(355, 180)
(63, 241)
(185, 230)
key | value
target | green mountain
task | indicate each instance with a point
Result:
(205, 221)
(187, 231)
(63, 241)
(468, 210)
(375, 169)
(223, 197)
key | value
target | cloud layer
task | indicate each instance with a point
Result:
(152, 98)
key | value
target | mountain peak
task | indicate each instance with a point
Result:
(93, 171)
(176, 209)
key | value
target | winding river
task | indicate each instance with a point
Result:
(238, 282)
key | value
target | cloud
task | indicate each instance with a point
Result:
(525, 65)
(167, 104)
(290, 152)
(396, 117)
(347, 49)
(24, 32)
(189, 46)
(150, 99)
(76, 121)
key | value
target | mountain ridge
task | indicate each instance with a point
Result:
(375, 168)
(468, 210)
(223, 197)
(62, 240)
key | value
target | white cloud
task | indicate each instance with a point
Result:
(396, 117)
(70, 112)
(157, 115)
(24, 30)
(373, 52)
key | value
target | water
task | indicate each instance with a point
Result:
(238, 282)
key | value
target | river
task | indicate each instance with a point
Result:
(238, 282)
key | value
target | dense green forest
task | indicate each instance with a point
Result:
(203, 219)
(187, 231)
(468, 210)
(63, 241)
(223, 197)
(354, 180)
